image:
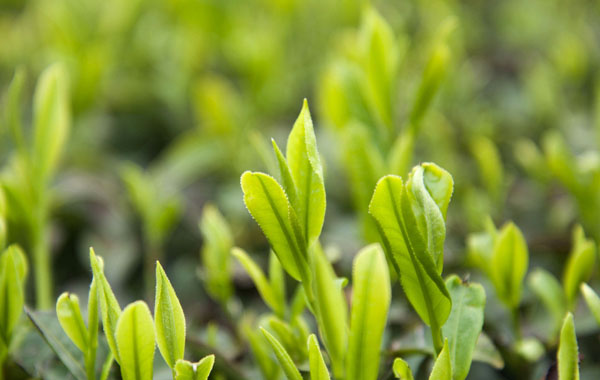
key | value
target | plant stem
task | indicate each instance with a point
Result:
(43, 273)
(152, 255)
(515, 323)
(438, 340)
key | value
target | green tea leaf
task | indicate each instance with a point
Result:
(267, 203)
(12, 281)
(580, 265)
(486, 352)
(330, 310)
(69, 316)
(261, 349)
(550, 292)
(442, 368)
(169, 319)
(306, 170)
(370, 305)
(200, 370)
(318, 369)
(260, 281)
(286, 175)
(402, 370)
(464, 324)
(567, 356)
(14, 110)
(433, 75)
(218, 241)
(289, 338)
(592, 300)
(284, 359)
(135, 342)
(424, 287)
(489, 163)
(109, 306)
(380, 54)
(51, 119)
(509, 264)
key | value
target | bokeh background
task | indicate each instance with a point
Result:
(173, 99)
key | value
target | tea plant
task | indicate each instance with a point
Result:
(26, 182)
(411, 219)
(132, 334)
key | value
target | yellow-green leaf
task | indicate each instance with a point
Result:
(580, 265)
(284, 359)
(71, 320)
(567, 355)
(509, 264)
(306, 170)
(392, 208)
(592, 300)
(260, 281)
(109, 306)
(135, 342)
(267, 203)
(370, 305)
(318, 369)
(216, 258)
(12, 267)
(402, 370)
(200, 370)
(331, 310)
(464, 324)
(442, 368)
(169, 319)
(51, 119)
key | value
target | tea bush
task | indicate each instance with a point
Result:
(431, 213)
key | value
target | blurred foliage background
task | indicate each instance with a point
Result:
(172, 99)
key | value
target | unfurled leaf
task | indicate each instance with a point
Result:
(402, 370)
(284, 359)
(318, 369)
(330, 310)
(260, 281)
(289, 338)
(580, 265)
(509, 264)
(464, 324)
(442, 368)
(486, 352)
(433, 75)
(567, 356)
(135, 342)
(592, 300)
(550, 292)
(69, 316)
(393, 208)
(371, 296)
(200, 370)
(380, 53)
(261, 350)
(109, 306)
(13, 268)
(13, 110)
(218, 241)
(267, 203)
(490, 166)
(306, 170)
(286, 176)
(169, 319)
(51, 119)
